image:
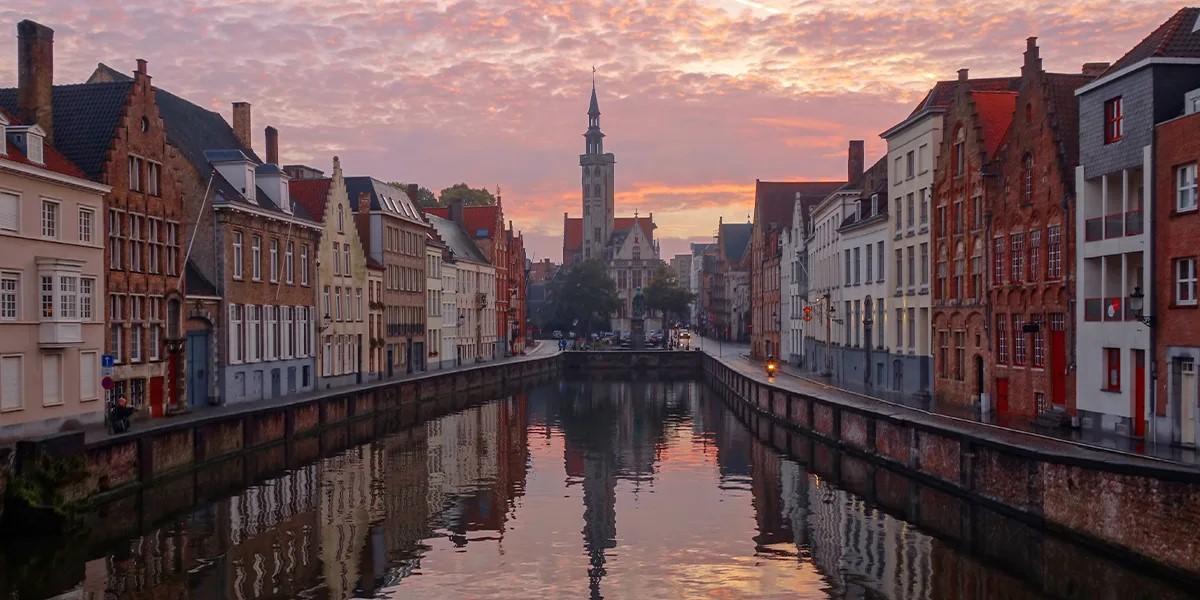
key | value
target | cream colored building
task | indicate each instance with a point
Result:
(475, 294)
(342, 322)
(51, 287)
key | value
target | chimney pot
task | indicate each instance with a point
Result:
(141, 66)
(962, 74)
(412, 190)
(35, 75)
(241, 123)
(854, 161)
(272, 137)
(1031, 42)
(456, 210)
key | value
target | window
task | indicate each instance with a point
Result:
(912, 328)
(857, 266)
(1027, 178)
(135, 343)
(1185, 281)
(49, 219)
(960, 355)
(237, 255)
(848, 272)
(912, 212)
(896, 170)
(337, 268)
(912, 267)
(341, 218)
(923, 195)
(172, 248)
(1001, 339)
(155, 341)
(155, 236)
(1016, 242)
(924, 263)
(959, 155)
(1114, 120)
(236, 339)
(899, 207)
(10, 291)
(943, 354)
(303, 264)
(68, 299)
(960, 216)
(87, 218)
(255, 258)
(87, 287)
(1018, 335)
(977, 270)
(1035, 254)
(358, 301)
(337, 302)
(870, 264)
(923, 158)
(10, 219)
(47, 297)
(879, 255)
(1185, 188)
(153, 180)
(325, 300)
(274, 272)
(88, 361)
(1039, 343)
(135, 173)
(51, 379)
(288, 265)
(116, 339)
(1112, 370)
(911, 163)
(1054, 252)
(976, 213)
(11, 389)
(960, 271)
(135, 244)
(346, 259)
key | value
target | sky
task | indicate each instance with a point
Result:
(698, 97)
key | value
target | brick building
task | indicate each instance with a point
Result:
(773, 210)
(393, 233)
(1176, 237)
(517, 309)
(1032, 247)
(726, 318)
(975, 122)
(114, 134)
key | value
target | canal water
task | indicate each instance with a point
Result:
(600, 489)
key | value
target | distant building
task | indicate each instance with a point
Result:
(475, 288)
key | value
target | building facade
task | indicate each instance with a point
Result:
(863, 236)
(975, 122)
(475, 289)
(516, 274)
(1115, 260)
(435, 335)
(51, 286)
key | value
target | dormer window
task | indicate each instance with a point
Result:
(28, 139)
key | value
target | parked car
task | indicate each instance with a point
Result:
(557, 334)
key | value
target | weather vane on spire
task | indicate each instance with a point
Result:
(593, 76)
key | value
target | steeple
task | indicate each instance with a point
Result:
(595, 138)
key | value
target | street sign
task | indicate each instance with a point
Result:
(107, 361)
(107, 383)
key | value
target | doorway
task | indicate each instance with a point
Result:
(197, 367)
(979, 388)
(1184, 398)
(1139, 393)
(1002, 395)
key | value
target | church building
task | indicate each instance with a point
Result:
(625, 244)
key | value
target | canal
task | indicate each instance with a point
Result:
(572, 489)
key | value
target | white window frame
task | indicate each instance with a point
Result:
(238, 258)
(87, 224)
(12, 296)
(1185, 281)
(256, 257)
(135, 343)
(304, 264)
(51, 227)
(274, 261)
(89, 391)
(289, 264)
(1185, 188)
(54, 377)
(16, 207)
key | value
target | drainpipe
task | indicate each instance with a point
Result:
(1148, 212)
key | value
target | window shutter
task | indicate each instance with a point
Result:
(9, 213)
(51, 379)
(87, 375)
(10, 382)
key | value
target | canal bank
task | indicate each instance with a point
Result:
(1139, 508)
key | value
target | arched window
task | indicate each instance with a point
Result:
(960, 151)
(341, 219)
(1027, 178)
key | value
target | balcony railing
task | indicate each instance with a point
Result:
(1110, 308)
(1113, 226)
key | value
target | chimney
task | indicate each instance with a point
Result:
(962, 74)
(456, 210)
(1095, 69)
(413, 191)
(241, 123)
(854, 162)
(35, 75)
(364, 203)
(272, 136)
(1033, 59)
(141, 67)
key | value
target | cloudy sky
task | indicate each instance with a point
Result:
(699, 97)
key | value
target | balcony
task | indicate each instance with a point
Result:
(1108, 309)
(1114, 226)
(60, 333)
(480, 300)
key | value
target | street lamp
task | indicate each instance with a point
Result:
(1137, 304)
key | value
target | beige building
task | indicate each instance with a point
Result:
(474, 288)
(342, 276)
(51, 286)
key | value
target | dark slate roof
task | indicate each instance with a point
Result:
(737, 239)
(388, 198)
(190, 128)
(1065, 108)
(1175, 38)
(86, 116)
(774, 201)
(52, 159)
(196, 284)
(456, 239)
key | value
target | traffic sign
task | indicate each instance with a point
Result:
(107, 361)
(107, 383)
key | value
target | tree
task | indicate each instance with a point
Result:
(583, 294)
(665, 295)
(425, 197)
(469, 196)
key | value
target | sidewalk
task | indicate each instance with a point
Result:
(99, 432)
(1014, 430)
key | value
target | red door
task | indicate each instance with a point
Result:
(1139, 393)
(156, 397)
(1058, 363)
(1002, 395)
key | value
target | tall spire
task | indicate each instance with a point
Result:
(594, 108)
(595, 139)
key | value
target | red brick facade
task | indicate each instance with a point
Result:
(1032, 246)
(975, 123)
(1176, 240)
(517, 289)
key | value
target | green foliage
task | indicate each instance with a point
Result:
(40, 492)
(583, 293)
(469, 196)
(665, 295)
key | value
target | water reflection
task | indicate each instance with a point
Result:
(592, 488)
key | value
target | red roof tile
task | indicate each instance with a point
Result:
(475, 219)
(55, 161)
(995, 110)
(1174, 38)
(942, 92)
(312, 195)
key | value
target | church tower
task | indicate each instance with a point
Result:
(598, 189)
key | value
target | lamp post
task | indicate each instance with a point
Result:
(1137, 305)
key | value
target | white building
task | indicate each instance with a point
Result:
(912, 153)
(865, 240)
(829, 329)
(435, 338)
(475, 294)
